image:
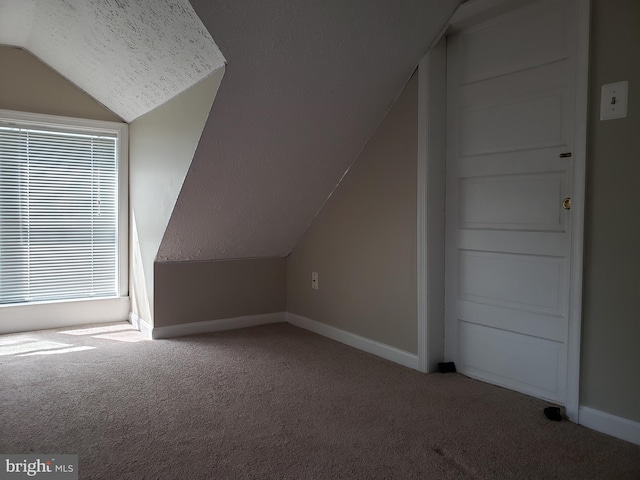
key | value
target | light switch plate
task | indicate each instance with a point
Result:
(613, 100)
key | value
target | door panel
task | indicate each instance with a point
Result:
(527, 323)
(512, 124)
(513, 202)
(510, 103)
(486, 54)
(525, 282)
(483, 350)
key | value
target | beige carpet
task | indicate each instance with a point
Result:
(275, 402)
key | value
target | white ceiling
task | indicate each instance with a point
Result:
(306, 84)
(130, 55)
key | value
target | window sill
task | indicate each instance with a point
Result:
(59, 314)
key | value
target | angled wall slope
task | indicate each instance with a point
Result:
(363, 242)
(306, 85)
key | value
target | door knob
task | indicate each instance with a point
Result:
(566, 203)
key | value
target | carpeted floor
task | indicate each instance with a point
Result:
(275, 402)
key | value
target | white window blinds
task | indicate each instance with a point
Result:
(58, 214)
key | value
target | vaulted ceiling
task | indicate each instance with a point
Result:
(306, 84)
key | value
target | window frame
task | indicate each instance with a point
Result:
(121, 131)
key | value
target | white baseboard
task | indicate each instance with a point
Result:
(610, 424)
(215, 325)
(361, 343)
(370, 346)
(141, 325)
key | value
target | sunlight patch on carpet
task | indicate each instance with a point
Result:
(19, 345)
(60, 350)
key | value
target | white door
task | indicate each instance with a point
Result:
(510, 134)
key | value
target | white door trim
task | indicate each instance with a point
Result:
(430, 210)
(431, 202)
(583, 17)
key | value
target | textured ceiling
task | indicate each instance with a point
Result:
(307, 83)
(130, 55)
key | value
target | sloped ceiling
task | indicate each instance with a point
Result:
(130, 55)
(306, 84)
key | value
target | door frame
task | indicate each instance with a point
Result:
(431, 189)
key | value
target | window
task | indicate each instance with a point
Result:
(61, 209)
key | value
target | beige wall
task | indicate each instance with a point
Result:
(363, 242)
(29, 85)
(161, 146)
(200, 291)
(611, 321)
